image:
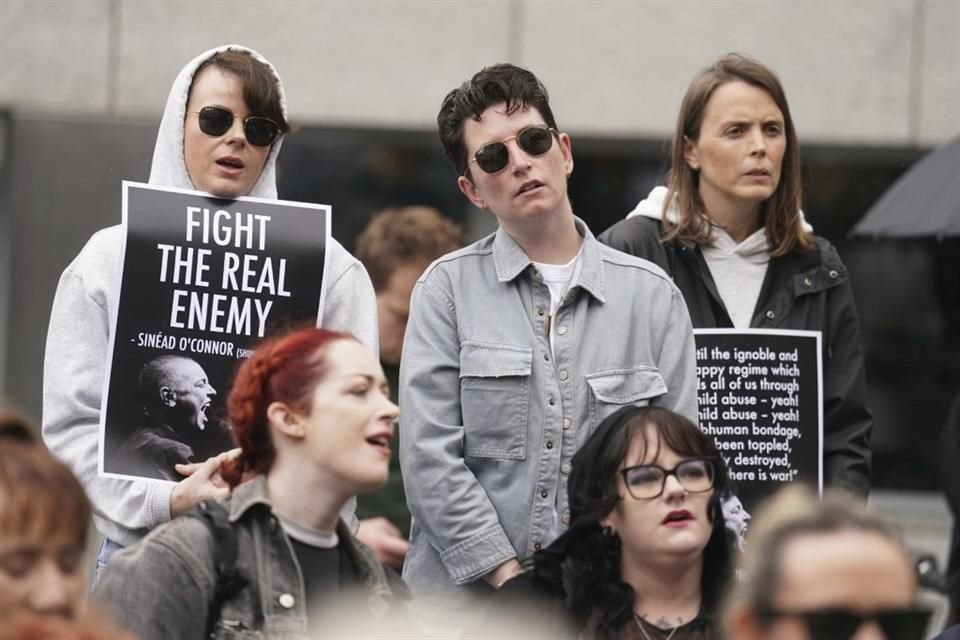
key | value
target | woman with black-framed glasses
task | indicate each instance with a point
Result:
(646, 556)
(824, 569)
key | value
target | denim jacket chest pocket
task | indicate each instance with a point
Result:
(615, 388)
(494, 399)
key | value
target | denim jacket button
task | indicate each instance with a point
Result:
(544, 494)
(771, 315)
(549, 444)
(565, 519)
(808, 282)
(536, 546)
(539, 311)
(563, 375)
(566, 423)
(565, 468)
(562, 331)
(834, 274)
(286, 600)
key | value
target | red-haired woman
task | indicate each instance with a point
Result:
(312, 415)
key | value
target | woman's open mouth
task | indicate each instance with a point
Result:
(231, 164)
(381, 442)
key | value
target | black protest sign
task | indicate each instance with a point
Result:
(760, 395)
(204, 280)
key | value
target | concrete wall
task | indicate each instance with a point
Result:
(856, 71)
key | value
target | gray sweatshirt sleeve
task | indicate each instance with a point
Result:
(73, 373)
(350, 303)
(443, 494)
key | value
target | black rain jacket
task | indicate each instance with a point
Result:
(801, 291)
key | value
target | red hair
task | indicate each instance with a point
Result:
(284, 368)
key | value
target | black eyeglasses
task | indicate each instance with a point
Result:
(535, 140)
(216, 121)
(908, 623)
(646, 481)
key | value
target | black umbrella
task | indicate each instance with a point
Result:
(924, 202)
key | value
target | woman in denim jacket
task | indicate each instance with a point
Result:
(312, 414)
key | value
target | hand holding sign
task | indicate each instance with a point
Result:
(203, 482)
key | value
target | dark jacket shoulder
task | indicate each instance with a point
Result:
(639, 236)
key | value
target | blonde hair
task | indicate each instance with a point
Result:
(793, 512)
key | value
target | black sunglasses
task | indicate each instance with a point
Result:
(908, 623)
(535, 140)
(259, 131)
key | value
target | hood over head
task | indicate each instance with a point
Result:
(169, 168)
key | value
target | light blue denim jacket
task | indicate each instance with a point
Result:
(490, 418)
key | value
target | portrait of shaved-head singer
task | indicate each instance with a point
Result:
(176, 429)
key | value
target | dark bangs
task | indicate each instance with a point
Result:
(261, 91)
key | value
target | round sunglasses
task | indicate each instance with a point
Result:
(216, 121)
(535, 140)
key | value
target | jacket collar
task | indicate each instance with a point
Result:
(510, 261)
(254, 492)
(248, 494)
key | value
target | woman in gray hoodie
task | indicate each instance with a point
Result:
(221, 131)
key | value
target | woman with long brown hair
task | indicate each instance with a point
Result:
(728, 229)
